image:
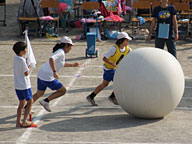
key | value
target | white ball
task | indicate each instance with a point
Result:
(149, 83)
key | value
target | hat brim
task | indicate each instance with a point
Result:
(129, 38)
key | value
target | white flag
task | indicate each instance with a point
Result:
(30, 58)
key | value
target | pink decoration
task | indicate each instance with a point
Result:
(46, 18)
(114, 18)
(78, 37)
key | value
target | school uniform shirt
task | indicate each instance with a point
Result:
(21, 81)
(111, 52)
(46, 73)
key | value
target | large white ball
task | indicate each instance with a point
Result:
(149, 83)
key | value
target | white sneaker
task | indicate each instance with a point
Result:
(45, 105)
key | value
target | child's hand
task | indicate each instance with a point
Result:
(76, 64)
(55, 74)
(28, 72)
(30, 68)
(114, 64)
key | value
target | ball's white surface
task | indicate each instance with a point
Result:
(149, 83)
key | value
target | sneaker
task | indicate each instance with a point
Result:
(45, 105)
(113, 100)
(92, 101)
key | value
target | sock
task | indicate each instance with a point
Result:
(92, 95)
(46, 100)
(112, 95)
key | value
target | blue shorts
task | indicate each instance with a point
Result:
(53, 85)
(24, 94)
(108, 75)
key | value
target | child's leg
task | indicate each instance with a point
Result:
(90, 98)
(113, 99)
(37, 95)
(57, 94)
(63, 19)
(41, 88)
(112, 95)
(45, 103)
(98, 89)
(27, 111)
(19, 113)
(107, 77)
(101, 87)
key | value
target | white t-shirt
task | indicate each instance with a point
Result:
(46, 73)
(111, 52)
(22, 82)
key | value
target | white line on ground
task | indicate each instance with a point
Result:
(186, 77)
(64, 76)
(95, 66)
(70, 76)
(82, 86)
(79, 142)
(183, 108)
(90, 107)
(187, 97)
(71, 107)
(24, 137)
(188, 87)
(10, 106)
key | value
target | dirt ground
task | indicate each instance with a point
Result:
(73, 120)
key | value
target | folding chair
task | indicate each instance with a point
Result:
(87, 8)
(52, 4)
(146, 8)
(184, 10)
(3, 3)
(173, 1)
(77, 9)
(28, 20)
(155, 3)
(29, 13)
(140, 5)
(90, 5)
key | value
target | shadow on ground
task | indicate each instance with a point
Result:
(79, 123)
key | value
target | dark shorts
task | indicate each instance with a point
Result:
(24, 94)
(108, 75)
(53, 85)
(170, 43)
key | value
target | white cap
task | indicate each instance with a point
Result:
(123, 35)
(67, 40)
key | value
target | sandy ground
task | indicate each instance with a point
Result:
(73, 120)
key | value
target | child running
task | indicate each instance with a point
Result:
(22, 84)
(48, 73)
(111, 60)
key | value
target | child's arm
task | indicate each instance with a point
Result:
(71, 65)
(28, 72)
(107, 61)
(52, 64)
